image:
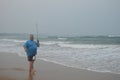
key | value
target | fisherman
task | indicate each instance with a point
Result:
(30, 48)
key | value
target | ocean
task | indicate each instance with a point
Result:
(94, 53)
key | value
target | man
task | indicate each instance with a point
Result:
(30, 48)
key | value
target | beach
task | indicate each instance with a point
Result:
(13, 67)
(79, 39)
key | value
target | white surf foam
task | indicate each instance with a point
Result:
(13, 40)
(102, 71)
(53, 42)
(84, 46)
(62, 38)
(113, 35)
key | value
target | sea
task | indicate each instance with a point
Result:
(94, 53)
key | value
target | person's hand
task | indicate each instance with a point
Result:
(38, 44)
(38, 41)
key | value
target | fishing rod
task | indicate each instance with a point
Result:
(37, 38)
(37, 30)
(37, 33)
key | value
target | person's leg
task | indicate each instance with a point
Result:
(33, 66)
(30, 75)
(31, 70)
(30, 66)
(30, 59)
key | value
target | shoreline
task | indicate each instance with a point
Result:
(53, 62)
(79, 68)
(13, 67)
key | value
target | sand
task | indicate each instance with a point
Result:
(13, 67)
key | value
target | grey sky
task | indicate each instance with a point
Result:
(61, 17)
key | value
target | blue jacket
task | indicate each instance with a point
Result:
(31, 47)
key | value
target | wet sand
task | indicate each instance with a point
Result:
(13, 67)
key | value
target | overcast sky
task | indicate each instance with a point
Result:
(61, 17)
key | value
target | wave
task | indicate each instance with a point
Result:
(62, 38)
(113, 35)
(53, 42)
(62, 44)
(7, 45)
(67, 44)
(13, 40)
(72, 66)
(84, 46)
(48, 43)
